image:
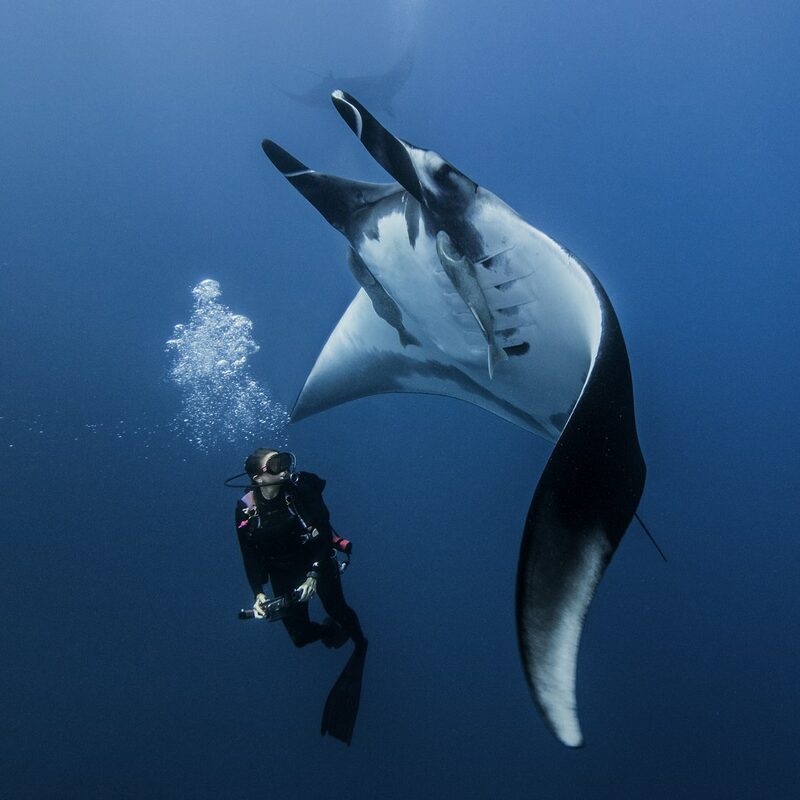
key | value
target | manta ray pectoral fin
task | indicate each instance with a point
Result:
(349, 365)
(335, 198)
(581, 508)
(366, 355)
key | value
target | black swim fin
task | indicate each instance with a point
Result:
(341, 707)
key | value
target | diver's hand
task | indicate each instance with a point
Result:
(259, 612)
(307, 590)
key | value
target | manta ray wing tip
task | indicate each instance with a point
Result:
(573, 739)
(560, 717)
(298, 413)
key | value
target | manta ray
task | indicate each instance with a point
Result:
(461, 297)
(377, 90)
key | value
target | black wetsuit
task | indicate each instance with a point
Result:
(276, 547)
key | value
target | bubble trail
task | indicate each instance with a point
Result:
(221, 402)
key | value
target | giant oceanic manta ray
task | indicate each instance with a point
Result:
(461, 297)
(377, 90)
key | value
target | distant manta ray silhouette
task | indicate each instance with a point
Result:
(378, 90)
(461, 297)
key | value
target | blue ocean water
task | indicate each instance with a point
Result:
(657, 141)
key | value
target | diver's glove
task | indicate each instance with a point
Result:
(307, 589)
(259, 610)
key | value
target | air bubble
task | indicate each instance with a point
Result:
(221, 402)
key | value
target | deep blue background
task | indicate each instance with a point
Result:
(657, 141)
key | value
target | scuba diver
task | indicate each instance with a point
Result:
(286, 538)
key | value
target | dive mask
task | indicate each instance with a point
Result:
(280, 462)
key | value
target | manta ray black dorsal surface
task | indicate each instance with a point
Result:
(461, 297)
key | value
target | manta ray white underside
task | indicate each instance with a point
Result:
(461, 297)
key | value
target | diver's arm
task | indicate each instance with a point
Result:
(315, 514)
(314, 509)
(314, 553)
(257, 575)
(322, 519)
(307, 589)
(259, 606)
(319, 549)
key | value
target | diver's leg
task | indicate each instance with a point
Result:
(301, 629)
(341, 706)
(329, 589)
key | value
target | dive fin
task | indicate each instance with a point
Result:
(341, 707)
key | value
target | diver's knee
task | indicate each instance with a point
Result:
(300, 638)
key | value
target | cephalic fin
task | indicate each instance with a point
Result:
(337, 199)
(391, 153)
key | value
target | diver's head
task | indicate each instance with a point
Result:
(268, 467)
